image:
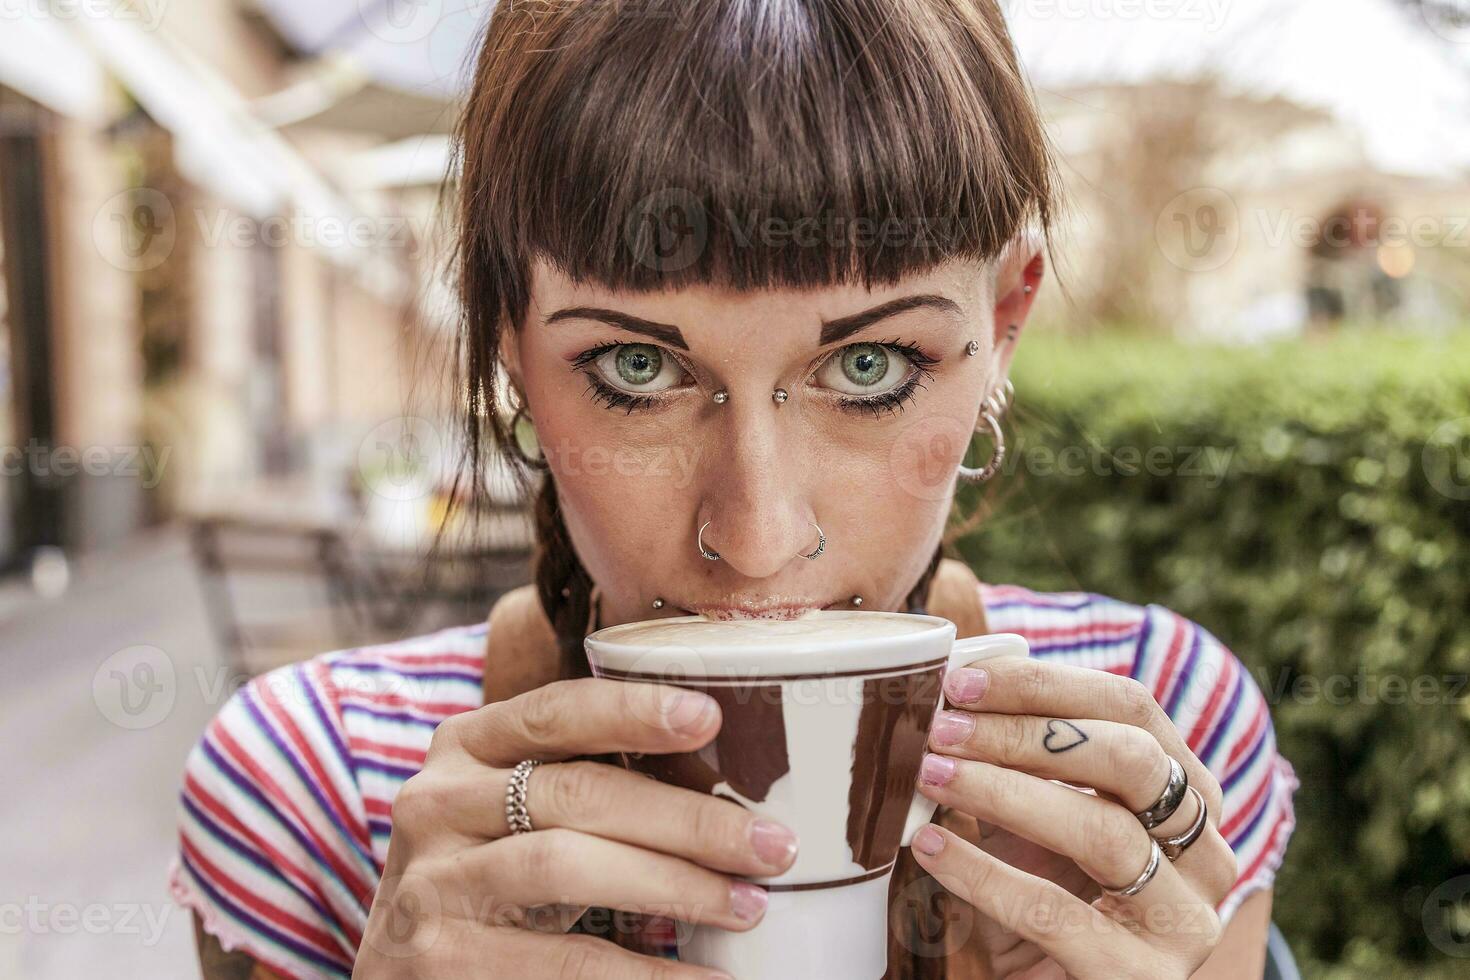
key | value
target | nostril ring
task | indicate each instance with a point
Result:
(707, 553)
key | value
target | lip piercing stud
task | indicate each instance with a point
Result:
(658, 602)
(857, 600)
(972, 348)
(720, 397)
(780, 396)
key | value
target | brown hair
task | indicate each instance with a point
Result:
(653, 144)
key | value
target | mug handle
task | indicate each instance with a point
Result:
(965, 652)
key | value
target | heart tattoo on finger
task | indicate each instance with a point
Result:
(1062, 736)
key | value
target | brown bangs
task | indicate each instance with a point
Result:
(651, 144)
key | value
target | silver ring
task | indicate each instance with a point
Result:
(1168, 800)
(515, 797)
(821, 543)
(711, 555)
(1155, 857)
(1175, 846)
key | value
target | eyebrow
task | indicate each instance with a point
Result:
(666, 332)
(843, 327)
(832, 330)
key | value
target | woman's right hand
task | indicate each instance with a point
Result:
(452, 902)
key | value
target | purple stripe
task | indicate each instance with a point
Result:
(287, 753)
(247, 853)
(408, 673)
(250, 790)
(1249, 759)
(1143, 637)
(1185, 672)
(1254, 822)
(1223, 722)
(380, 828)
(397, 716)
(386, 768)
(329, 725)
(329, 963)
(1081, 645)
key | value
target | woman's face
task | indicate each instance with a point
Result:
(882, 399)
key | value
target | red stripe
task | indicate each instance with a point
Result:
(1112, 631)
(360, 890)
(1171, 658)
(1243, 815)
(325, 943)
(436, 710)
(427, 660)
(327, 785)
(378, 808)
(1251, 734)
(1209, 716)
(1270, 849)
(398, 753)
(278, 860)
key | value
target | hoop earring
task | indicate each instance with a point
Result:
(522, 436)
(996, 407)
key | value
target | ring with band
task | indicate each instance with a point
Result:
(1155, 858)
(1175, 846)
(1168, 800)
(515, 797)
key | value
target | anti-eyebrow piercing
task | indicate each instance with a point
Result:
(720, 397)
(779, 396)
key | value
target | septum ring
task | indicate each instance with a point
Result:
(712, 555)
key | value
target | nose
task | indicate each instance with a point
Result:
(755, 499)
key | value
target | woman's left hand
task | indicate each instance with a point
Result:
(1021, 724)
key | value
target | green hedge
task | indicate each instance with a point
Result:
(1309, 504)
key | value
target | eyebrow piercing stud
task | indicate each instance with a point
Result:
(972, 348)
(720, 397)
(780, 396)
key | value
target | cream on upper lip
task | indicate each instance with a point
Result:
(771, 607)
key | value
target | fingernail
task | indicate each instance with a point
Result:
(966, 684)
(928, 840)
(747, 901)
(686, 711)
(937, 770)
(773, 843)
(952, 726)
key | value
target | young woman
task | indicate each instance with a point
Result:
(749, 268)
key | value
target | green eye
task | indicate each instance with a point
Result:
(638, 364)
(864, 364)
(864, 369)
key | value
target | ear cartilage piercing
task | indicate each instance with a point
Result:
(658, 602)
(721, 396)
(780, 396)
(1028, 289)
(1011, 332)
(972, 348)
(857, 600)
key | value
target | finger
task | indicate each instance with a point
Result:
(1081, 938)
(1053, 690)
(1123, 761)
(604, 801)
(1106, 841)
(1209, 863)
(585, 716)
(572, 868)
(537, 956)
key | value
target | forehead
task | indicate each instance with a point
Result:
(709, 307)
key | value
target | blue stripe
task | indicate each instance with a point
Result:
(1186, 673)
(261, 863)
(1222, 725)
(249, 700)
(333, 966)
(409, 674)
(1143, 637)
(250, 790)
(1255, 821)
(1249, 759)
(1080, 645)
(393, 716)
(330, 727)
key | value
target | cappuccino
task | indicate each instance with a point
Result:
(817, 627)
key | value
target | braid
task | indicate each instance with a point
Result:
(562, 584)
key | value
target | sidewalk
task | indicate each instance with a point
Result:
(91, 763)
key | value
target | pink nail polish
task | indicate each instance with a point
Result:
(937, 770)
(772, 843)
(928, 840)
(951, 727)
(966, 685)
(747, 901)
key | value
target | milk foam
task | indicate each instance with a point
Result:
(818, 625)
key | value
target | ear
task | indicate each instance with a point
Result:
(1019, 270)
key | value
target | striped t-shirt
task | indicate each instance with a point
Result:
(287, 800)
